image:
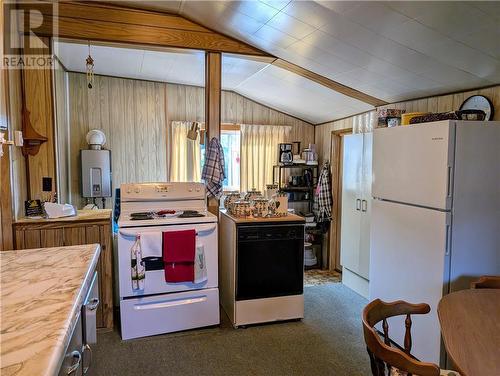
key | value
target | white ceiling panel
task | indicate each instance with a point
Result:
(256, 9)
(375, 16)
(309, 12)
(290, 25)
(236, 70)
(298, 96)
(184, 68)
(274, 36)
(123, 62)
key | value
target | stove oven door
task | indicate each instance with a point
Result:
(155, 279)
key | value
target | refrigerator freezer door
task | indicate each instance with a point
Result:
(407, 262)
(414, 164)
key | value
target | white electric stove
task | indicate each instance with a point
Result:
(162, 307)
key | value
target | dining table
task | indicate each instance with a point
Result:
(470, 327)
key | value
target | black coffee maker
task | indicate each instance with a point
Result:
(285, 155)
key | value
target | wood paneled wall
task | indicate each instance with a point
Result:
(132, 115)
(441, 103)
(186, 103)
(135, 116)
(38, 96)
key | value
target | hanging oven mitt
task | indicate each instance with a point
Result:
(137, 265)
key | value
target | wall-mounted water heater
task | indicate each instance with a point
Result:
(96, 167)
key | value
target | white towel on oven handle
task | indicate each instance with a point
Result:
(200, 265)
(151, 244)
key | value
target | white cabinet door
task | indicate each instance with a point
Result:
(351, 201)
(365, 195)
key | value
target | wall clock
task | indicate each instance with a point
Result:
(479, 102)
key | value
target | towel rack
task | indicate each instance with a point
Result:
(200, 232)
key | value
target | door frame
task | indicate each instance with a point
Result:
(6, 210)
(336, 147)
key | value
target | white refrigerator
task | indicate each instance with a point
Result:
(435, 222)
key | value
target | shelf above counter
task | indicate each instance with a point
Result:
(297, 189)
(296, 165)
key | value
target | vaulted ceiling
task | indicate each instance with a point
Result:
(390, 50)
(263, 82)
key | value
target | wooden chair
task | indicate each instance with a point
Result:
(486, 282)
(388, 360)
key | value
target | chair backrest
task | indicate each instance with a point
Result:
(486, 282)
(383, 356)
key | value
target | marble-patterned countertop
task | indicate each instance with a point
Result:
(42, 291)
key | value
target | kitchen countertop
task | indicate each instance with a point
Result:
(82, 215)
(289, 218)
(42, 291)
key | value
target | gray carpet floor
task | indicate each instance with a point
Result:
(328, 341)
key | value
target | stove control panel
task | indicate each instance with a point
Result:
(162, 191)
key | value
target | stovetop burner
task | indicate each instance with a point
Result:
(191, 214)
(143, 216)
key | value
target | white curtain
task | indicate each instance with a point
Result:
(185, 154)
(364, 123)
(259, 152)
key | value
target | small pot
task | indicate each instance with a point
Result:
(240, 208)
(260, 207)
(230, 198)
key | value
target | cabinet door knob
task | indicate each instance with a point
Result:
(364, 205)
(358, 204)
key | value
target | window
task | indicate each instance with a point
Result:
(230, 141)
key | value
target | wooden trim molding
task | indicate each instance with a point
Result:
(336, 163)
(6, 216)
(91, 21)
(336, 86)
(230, 127)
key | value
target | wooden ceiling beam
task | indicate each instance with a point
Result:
(107, 23)
(336, 86)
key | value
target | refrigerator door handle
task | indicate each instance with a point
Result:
(358, 204)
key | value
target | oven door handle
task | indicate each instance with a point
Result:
(170, 303)
(200, 231)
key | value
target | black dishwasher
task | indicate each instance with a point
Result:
(269, 260)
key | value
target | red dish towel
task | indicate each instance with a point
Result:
(179, 249)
